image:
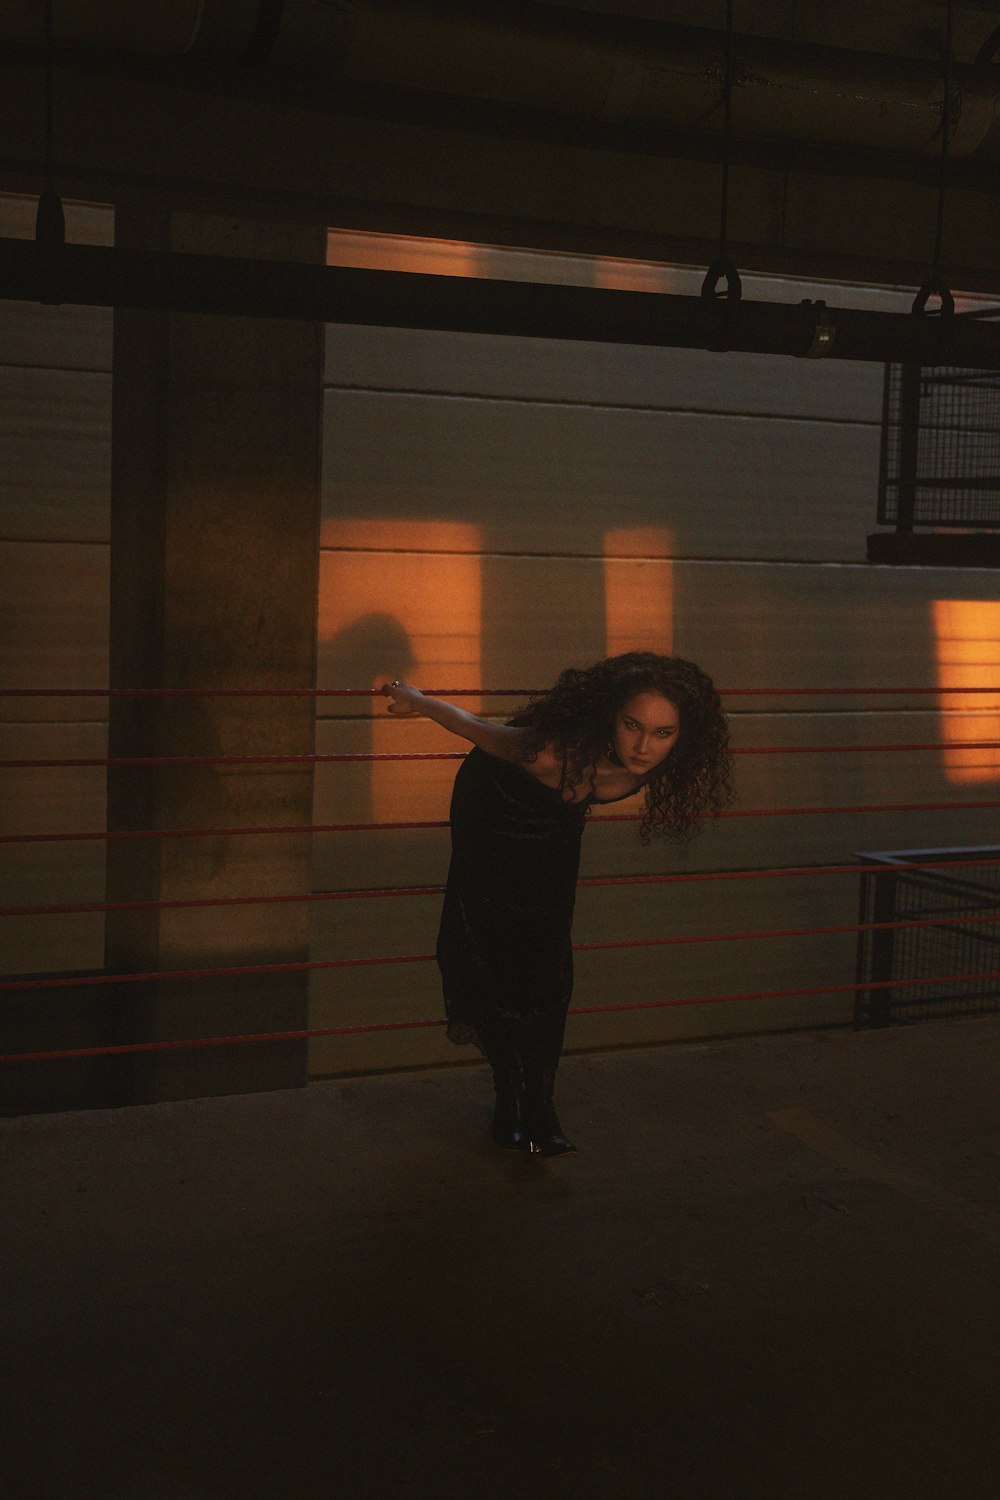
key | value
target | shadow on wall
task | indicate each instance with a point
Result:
(370, 650)
(403, 599)
(462, 609)
(367, 650)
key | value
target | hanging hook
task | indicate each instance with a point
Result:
(719, 269)
(723, 268)
(824, 330)
(935, 285)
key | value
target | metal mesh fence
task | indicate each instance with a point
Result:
(941, 945)
(940, 461)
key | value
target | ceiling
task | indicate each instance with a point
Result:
(593, 127)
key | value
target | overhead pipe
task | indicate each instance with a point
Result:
(170, 281)
(546, 59)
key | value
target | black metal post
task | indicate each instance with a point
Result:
(909, 445)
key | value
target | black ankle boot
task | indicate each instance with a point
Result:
(508, 1129)
(540, 1119)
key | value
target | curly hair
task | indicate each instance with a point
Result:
(578, 716)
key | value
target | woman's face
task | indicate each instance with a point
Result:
(646, 731)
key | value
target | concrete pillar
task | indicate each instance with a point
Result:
(214, 566)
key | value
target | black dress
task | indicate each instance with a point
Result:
(504, 948)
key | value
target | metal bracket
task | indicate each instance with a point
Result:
(939, 323)
(715, 273)
(824, 330)
(727, 302)
(934, 288)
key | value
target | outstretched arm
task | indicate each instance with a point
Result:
(505, 741)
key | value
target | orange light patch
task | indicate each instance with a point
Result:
(638, 590)
(967, 636)
(403, 252)
(419, 585)
(639, 276)
(400, 252)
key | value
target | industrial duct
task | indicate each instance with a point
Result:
(546, 59)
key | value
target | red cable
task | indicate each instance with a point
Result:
(589, 1010)
(149, 977)
(797, 993)
(779, 871)
(800, 812)
(308, 760)
(943, 920)
(783, 812)
(231, 760)
(83, 908)
(476, 692)
(849, 749)
(215, 1041)
(749, 812)
(86, 908)
(308, 965)
(865, 692)
(199, 833)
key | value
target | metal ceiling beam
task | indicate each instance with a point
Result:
(92, 275)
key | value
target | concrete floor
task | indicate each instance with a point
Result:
(770, 1274)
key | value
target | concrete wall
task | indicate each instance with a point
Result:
(493, 511)
(55, 476)
(498, 509)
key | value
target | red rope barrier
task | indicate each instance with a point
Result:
(207, 833)
(589, 1010)
(88, 981)
(86, 908)
(215, 1041)
(782, 932)
(229, 760)
(782, 871)
(323, 759)
(850, 749)
(365, 827)
(307, 966)
(851, 692)
(301, 692)
(748, 812)
(790, 994)
(806, 812)
(476, 692)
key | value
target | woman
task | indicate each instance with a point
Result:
(521, 797)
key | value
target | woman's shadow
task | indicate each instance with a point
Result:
(370, 650)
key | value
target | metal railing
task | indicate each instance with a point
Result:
(951, 925)
(940, 459)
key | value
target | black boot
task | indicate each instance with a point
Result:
(541, 1121)
(508, 1128)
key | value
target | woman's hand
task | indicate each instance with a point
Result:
(405, 699)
